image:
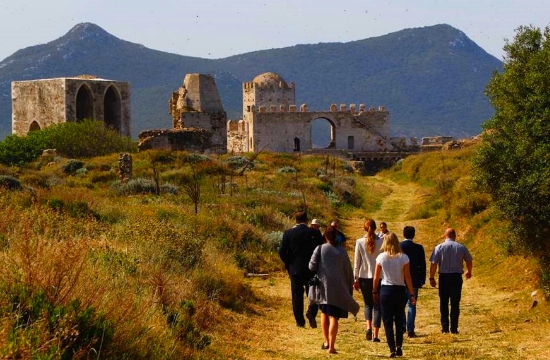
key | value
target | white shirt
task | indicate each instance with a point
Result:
(392, 268)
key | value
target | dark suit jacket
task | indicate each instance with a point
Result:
(297, 247)
(417, 259)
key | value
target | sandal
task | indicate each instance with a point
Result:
(324, 347)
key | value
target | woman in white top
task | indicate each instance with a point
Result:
(393, 266)
(367, 249)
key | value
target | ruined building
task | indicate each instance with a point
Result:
(37, 104)
(198, 119)
(271, 120)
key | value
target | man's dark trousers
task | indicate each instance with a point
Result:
(299, 285)
(450, 288)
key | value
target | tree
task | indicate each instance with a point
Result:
(513, 162)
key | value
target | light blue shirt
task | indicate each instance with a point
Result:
(450, 256)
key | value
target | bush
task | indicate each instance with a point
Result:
(9, 182)
(73, 139)
(142, 186)
(286, 169)
(72, 166)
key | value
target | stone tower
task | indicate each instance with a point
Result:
(265, 90)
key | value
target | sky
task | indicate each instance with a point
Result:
(216, 29)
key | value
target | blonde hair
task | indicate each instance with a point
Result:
(369, 227)
(391, 244)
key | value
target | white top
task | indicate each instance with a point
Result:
(365, 262)
(392, 268)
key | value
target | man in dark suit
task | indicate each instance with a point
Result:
(297, 246)
(417, 261)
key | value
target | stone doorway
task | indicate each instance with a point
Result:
(84, 104)
(111, 108)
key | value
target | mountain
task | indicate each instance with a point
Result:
(431, 79)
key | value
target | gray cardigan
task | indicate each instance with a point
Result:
(333, 268)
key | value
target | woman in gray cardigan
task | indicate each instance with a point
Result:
(333, 267)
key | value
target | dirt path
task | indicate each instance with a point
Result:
(493, 324)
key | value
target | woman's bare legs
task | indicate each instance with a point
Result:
(332, 332)
(325, 328)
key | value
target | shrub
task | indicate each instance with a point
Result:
(236, 162)
(286, 169)
(9, 182)
(72, 139)
(72, 166)
(142, 186)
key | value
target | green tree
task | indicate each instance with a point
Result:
(513, 162)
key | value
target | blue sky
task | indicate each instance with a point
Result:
(215, 29)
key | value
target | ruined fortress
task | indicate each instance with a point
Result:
(271, 120)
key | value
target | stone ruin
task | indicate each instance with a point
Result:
(198, 119)
(37, 104)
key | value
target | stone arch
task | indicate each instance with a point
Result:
(84, 103)
(112, 108)
(323, 133)
(34, 126)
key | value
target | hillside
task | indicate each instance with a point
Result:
(93, 266)
(431, 79)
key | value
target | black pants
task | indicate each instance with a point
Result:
(392, 304)
(299, 286)
(450, 288)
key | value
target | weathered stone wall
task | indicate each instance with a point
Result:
(41, 102)
(202, 93)
(196, 140)
(37, 104)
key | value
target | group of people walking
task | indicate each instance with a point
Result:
(387, 272)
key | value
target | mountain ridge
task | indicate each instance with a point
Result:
(431, 79)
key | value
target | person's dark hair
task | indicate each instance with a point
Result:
(331, 234)
(301, 217)
(409, 232)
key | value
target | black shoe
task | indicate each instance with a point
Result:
(375, 340)
(411, 334)
(301, 325)
(324, 347)
(369, 334)
(312, 321)
(454, 331)
(392, 355)
(399, 352)
(444, 331)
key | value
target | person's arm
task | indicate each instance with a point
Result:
(356, 266)
(433, 269)
(408, 282)
(469, 265)
(375, 282)
(315, 257)
(284, 249)
(422, 266)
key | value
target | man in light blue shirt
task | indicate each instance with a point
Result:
(449, 256)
